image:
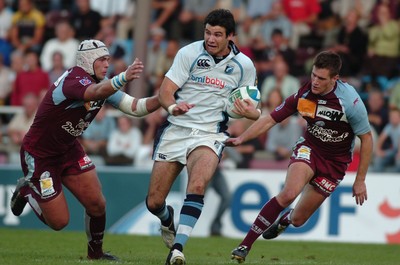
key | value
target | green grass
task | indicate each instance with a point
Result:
(45, 247)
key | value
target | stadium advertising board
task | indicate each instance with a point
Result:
(338, 220)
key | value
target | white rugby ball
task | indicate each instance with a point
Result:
(245, 92)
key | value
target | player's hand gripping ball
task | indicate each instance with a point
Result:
(246, 92)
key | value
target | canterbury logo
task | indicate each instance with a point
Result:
(203, 63)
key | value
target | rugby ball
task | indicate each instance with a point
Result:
(245, 92)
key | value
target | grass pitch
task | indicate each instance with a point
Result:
(45, 247)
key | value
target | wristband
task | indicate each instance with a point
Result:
(170, 109)
(118, 81)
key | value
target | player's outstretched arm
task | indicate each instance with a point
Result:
(106, 88)
(138, 107)
(359, 187)
(260, 126)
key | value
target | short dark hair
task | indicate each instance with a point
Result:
(223, 18)
(328, 60)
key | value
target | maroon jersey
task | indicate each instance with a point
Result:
(333, 120)
(62, 115)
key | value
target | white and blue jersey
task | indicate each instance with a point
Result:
(207, 85)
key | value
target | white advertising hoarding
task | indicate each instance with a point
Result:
(338, 219)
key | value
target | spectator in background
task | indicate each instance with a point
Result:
(166, 16)
(143, 158)
(282, 138)
(388, 156)
(303, 14)
(115, 45)
(394, 98)
(6, 82)
(64, 43)
(31, 80)
(281, 80)
(351, 44)
(247, 149)
(383, 46)
(378, 112)
(192, 18)
(21, 122)
(362, 7)
(156, 50)
(95, 137)
(57, 68)
(165, 61)
(124, 143)
(5, 26)
(280, 47)
(277, 20)
(86, 22)
(27, 29)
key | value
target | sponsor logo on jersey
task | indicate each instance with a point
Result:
(203, 63)
(78, 129)
(85, 81)
(330, 114)
(325, 184)
(211, 81)
(327, 135)
(322, 102)
(306, 107)
(85, 162)
(46, 185)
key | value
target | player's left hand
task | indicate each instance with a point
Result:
(360, 191)
(246, 109)
(134, 70)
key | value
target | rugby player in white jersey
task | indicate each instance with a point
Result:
(194, 92)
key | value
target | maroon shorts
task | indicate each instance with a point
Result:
(327, 173)
(45, 174)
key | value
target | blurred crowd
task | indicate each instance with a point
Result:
(38, 40)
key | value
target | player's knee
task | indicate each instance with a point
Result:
(197, 187)
(58, 223)
(286, 198)
(97, 208)
(153, 203)
(298, 221)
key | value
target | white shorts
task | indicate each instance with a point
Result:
(175, 143)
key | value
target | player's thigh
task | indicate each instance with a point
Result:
(86, 187)
(298, 175)
(55, 211)
(163, 176)
(202, 163)
(310, 200)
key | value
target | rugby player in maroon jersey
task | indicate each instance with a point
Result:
(51, 155)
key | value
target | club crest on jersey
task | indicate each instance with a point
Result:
(85, 81)
(229, 69)
(203, 63)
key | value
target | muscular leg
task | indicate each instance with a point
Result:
(163, 176)
(309, 202)
(298, 175)
(53, 213)
(201, 165)
(86, 188)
